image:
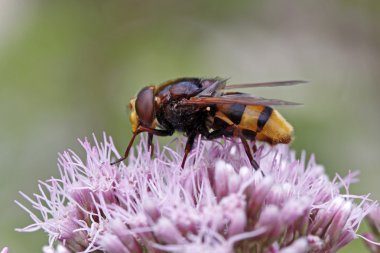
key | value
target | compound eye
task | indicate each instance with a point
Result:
(145, 108)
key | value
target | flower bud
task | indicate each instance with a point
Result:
(299, 246)
(167, 232)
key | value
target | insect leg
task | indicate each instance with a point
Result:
(139, 130)
(254, 164)
(158, 132)
(254, 147)
(227, 132)
(188, 147)
(126, 153)
(150, 144)
(152, 132)
(234, 130)
(251, 135)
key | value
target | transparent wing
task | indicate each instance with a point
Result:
(214, 94)
(215, 89)
(238, 98)
(266, 84)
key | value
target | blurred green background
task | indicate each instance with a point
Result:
(69, 68)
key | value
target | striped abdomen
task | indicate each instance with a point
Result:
(266, 122)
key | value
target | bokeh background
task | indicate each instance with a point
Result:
(69, 68)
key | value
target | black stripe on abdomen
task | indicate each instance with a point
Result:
(263, 118)
(234, 112)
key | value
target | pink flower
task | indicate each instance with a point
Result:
(218, 203)
(370, 239)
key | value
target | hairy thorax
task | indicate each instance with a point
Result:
(182, 118)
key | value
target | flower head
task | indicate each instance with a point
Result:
(218, 203)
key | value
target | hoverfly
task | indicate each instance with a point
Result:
(209, 108)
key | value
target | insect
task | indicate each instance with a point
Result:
(210, 108)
